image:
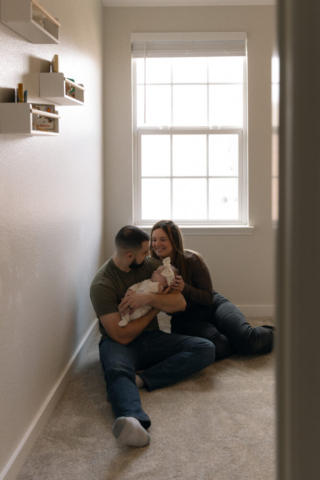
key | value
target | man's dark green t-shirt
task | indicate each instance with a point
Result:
(110, 284)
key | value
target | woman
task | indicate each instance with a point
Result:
(208, 314)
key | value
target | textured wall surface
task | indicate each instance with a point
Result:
(51, 217)
(242, 267)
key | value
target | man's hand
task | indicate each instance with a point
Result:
(171, 303)
(166, 290)
(130, 303)
(128, 293)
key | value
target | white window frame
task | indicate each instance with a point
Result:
(240, 226)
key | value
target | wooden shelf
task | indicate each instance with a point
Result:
(53, 88)
(16, 119)
(20, 16)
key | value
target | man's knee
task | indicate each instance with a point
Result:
(211, 355)
(223, 347)
(205, 348)
(117, 368)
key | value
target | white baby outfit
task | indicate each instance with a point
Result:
(147, 286)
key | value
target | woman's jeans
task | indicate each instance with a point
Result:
(164, 358)
(223, 324)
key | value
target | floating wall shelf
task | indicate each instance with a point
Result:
(16, 118)
(53, 88)
(30, 20)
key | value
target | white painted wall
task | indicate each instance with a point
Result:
(51, 217)
(242, 267)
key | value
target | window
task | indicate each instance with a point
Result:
(189, 128)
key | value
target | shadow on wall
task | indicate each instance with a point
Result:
(7, 95)
(31, 81)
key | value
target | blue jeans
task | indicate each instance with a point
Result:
(224, 325)
(164, 358)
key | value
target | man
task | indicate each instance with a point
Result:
(164, 358)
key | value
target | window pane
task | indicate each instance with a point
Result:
(189, 105)
(158, 70)
(194, 171)
(189, 155)
(190, 199)
(223, 155)
(140, 105)
(189, 70)
(155, 155)
(223, 198)
(140, 69)
(225, 70)
(226, 105)
(158, 105)
(155, 201)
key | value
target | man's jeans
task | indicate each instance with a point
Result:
(164, 358)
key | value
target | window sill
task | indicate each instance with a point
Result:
(200, 230)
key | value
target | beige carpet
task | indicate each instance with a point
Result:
(216, 425)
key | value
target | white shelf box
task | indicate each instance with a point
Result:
(30, 20)
(16, 119)
(53, 88)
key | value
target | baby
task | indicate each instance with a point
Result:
(160, 279)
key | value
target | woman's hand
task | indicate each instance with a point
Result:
(177, 284)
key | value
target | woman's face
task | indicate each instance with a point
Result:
(161, 244)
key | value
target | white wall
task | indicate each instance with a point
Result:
(51, 217)
(242, 267)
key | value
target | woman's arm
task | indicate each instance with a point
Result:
(201, 292)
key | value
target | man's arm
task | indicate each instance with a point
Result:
(170, 303)
(125, 335)
(134, 287)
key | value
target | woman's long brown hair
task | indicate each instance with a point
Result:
(175, 236)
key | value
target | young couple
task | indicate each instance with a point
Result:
(205, 326)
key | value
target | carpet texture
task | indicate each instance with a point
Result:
(219, 424)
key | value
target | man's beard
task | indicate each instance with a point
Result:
(136, 265)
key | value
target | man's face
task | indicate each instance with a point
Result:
(140, 256)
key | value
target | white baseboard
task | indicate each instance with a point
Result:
(22, 451)
(258, 310)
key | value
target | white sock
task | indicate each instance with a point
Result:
(129, 431)
(139, 381)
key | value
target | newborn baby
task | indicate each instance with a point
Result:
(160, 279)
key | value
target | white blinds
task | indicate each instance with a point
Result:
(234, 46)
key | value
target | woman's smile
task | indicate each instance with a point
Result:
(161, 243)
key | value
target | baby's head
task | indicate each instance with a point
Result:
(157, 277)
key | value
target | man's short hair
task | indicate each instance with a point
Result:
(131, 238)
